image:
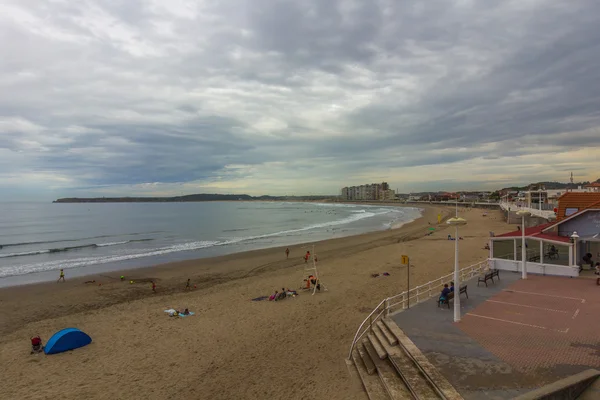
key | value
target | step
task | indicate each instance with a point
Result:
(377, 345)
(371, 383)
(410, 374)
(392, 382)
(388, 335)
(592, 392)
(431, 373)
(355, 378)
(366, 359)
(380, 336)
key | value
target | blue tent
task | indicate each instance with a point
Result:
(67, 339)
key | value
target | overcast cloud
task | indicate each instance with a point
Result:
(149, 97)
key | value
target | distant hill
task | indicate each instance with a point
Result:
(552, 185)
(190, 198)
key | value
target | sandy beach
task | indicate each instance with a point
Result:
(233, 348)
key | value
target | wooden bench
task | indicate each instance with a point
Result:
(489, 276)
(463, 289)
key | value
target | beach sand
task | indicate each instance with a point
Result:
(233, 348)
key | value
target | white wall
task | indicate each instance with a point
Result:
(536, 268)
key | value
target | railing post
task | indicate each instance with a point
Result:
(371, 323)
(387, 307)
(429, 288)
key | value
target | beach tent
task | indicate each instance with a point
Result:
(67, 339)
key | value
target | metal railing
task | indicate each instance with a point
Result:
(534, 211)
(413, 296)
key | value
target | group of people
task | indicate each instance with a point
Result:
(283, 294)
(177, 313)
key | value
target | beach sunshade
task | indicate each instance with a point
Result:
(67, 339)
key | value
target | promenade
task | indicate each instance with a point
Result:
(515, 335)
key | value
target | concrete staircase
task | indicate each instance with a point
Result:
(391, 367)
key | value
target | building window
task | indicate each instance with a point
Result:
(570, 211)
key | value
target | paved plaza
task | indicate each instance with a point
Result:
(515, 335)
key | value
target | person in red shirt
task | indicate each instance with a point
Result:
(153, 287)
(36, 344)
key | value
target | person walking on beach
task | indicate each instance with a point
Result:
(287, 253)
(153, 286)
(62, 276)
(306, 256)
(187, 285)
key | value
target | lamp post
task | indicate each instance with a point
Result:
(523, 214)
(574, 238)
(456, 222)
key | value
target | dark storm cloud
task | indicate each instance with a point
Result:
(123, 93)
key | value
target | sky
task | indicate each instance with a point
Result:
(149, 97)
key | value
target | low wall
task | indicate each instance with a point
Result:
(535, 268)
(490, 206)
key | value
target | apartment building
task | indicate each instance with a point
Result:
(371, 191)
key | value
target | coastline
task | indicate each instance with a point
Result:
(87, 271)
(231, 337)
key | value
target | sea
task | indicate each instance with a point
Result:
(38, 239)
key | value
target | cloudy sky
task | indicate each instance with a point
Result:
(141, 97)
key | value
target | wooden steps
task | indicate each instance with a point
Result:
(391, 367)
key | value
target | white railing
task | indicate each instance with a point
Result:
(535, 268)
(413, 296)
(534, 211)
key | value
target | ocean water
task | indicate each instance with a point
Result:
(38, 239)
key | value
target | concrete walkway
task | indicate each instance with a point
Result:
(471, 369)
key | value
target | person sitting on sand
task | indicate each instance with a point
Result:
(273, 296)
(186, 312)
(281, 295)
(36, 344)
(290, 292)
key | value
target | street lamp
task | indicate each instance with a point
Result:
(456, 222)
(523, 214)
(574, 238)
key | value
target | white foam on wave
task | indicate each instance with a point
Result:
(190, 246)
(112, 243)
(24, 253)
(85, 261)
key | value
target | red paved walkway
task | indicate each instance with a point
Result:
(541, 322)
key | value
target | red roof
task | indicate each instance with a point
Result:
(536, 232)
(577, 201)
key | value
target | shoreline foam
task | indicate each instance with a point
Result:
(28, 271)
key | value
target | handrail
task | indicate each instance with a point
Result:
(414, 293)
(534, 211)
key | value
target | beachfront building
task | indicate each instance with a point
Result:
(555, 248)
(372, 191)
